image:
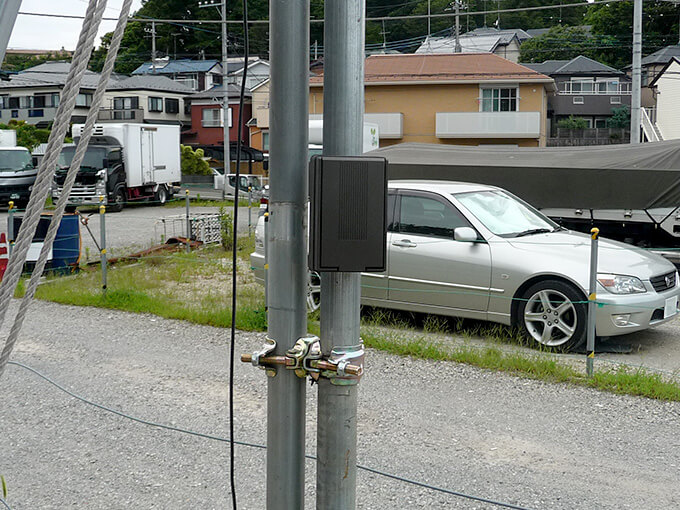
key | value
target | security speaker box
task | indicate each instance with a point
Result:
(348, 213)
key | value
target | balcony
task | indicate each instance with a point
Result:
(113, 115)
(390, 125)
(594, 89)
(488, 125)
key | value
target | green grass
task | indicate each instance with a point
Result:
(196, 287)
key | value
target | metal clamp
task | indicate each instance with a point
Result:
(344, 366)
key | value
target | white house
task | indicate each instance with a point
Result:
(666, 88)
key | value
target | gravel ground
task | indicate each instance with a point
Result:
(484, 433)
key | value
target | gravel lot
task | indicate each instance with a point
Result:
(525, 442)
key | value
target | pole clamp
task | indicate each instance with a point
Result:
(344, 366)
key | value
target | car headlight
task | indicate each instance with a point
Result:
(620, 284)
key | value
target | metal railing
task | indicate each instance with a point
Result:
(607, 89)
(112, 114)
(648, 123)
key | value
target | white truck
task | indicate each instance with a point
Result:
(124, 162)
(8, 138)
(370, 138)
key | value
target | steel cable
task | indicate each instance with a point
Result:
(86, 135)
(43, 181)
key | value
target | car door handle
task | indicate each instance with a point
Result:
(404, 243)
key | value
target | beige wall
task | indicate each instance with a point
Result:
(420, 103)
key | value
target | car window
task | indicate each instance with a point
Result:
(391, 201)
(428, 216)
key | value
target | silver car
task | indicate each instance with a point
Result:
(477, 251)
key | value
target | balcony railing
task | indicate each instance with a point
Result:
(110, 114)
(488, 124)
(594, 89)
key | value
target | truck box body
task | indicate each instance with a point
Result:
(150, 151)
(8, 138)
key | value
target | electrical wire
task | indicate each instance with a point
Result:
(255, 445)
(232, 345)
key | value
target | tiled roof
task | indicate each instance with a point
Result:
(217, 92)
(150, 82)
(662, 56)
(177, 67)
(575, 66)
(467, 67)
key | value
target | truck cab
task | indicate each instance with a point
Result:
(17, 175)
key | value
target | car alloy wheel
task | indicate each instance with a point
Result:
(553, 314)
(313, 292)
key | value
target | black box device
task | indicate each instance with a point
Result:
(348, 213)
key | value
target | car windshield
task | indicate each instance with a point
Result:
(94, 157)
(15, 160)
(504, 215)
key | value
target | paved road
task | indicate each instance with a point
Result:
(538, 445)
(138, 227)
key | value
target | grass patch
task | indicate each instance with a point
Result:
(196, 287)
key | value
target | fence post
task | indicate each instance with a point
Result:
(188, 223)
(592, 296)
(10, 227)
(102, 246)
(250, 204)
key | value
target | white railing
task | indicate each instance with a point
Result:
(567, 88)
(649, 125)
(488, 124)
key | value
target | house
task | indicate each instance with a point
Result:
(504, 43)
(198, 75)
(33, 96)
(652, 65)
(665, 119)
(461, 99)
(259, 124)
(207, 121)
(258, 71)
(586, 89)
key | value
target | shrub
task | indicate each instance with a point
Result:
(193, 162)
(572, 123)
(226, 229)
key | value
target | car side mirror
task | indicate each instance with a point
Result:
(465, 234)
(105, 163)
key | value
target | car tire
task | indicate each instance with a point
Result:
(161, 195)
(313, 291)
(118, 200)
(552, 314)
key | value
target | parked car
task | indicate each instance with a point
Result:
(477, 251)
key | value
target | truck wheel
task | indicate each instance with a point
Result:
(161, 196)
(118, 200)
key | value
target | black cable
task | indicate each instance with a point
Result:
(237, 187)
(232, 442)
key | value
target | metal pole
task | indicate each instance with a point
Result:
(8, 15)
(637, 73)
(287, 274)
(250, 205)
(10, 227)
(456, 5)
(153, 47)
(102, 242)
(428, 19)
(342, 136)
(592, 296)
(188, 223)
(225, 100)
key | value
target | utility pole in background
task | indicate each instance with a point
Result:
(455, 6)
(637, 73)
(153, 47)
(343, 114)
(286, 243)
(222, 9)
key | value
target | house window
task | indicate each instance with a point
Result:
(582, 85)
(172, 105)
(124, 114)
(13, 102)
(36, 113)
(265, 141)
(84, 99)
(54, 101)
(499, 100)
(212, 117)
(37, 102)
(600, 122)
(25, 102)
(4, 102)
(15, 114)
(615, 100)
(578, 99)
(126, 103)
(155, 104)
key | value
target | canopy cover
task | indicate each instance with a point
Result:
(624, 176)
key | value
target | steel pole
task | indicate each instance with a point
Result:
(592, 296)
(456, 5)
(225, 99)
(102, 242)
(637, 73)
(287, 246)
(343, 111)
(188, 222)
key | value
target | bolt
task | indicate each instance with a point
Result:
(548, 310)
(545, 316)
(549, 323)
(555, 313)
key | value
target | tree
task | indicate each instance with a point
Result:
(19, 62)
(572, 123)
(193, 162)
(620, 118)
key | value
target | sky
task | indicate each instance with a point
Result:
(38, 33)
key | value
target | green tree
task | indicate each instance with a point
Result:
(572, 123)
(27, 135)
(192, 162)
(620, 118)
(14, 62)
(564, 43)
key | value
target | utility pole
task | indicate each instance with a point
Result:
(343, 114)
(455, 6)
(222, 9)
(286, 243)
(174, 43)
(429, 31)
(637, 73)
(153, 47)
(384, 34)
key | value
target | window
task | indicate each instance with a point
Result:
(428, 217)
(582, 85)
(615, 100)
(4, 102)
(578, 99)
(600, 122)
(212, 117)
(15, 114)
(499, 100)
(124, 114)
(187, 106)
(265, 141)
(155, 104)
(54, 101)
(36, 113)
(172, 105)
(84, 99)
(13, 102)
(126, 103)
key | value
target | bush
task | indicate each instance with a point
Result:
(572, 123)
(193, 162)
(226, 229)
(620, 118)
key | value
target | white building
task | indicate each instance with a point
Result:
(666, 87)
